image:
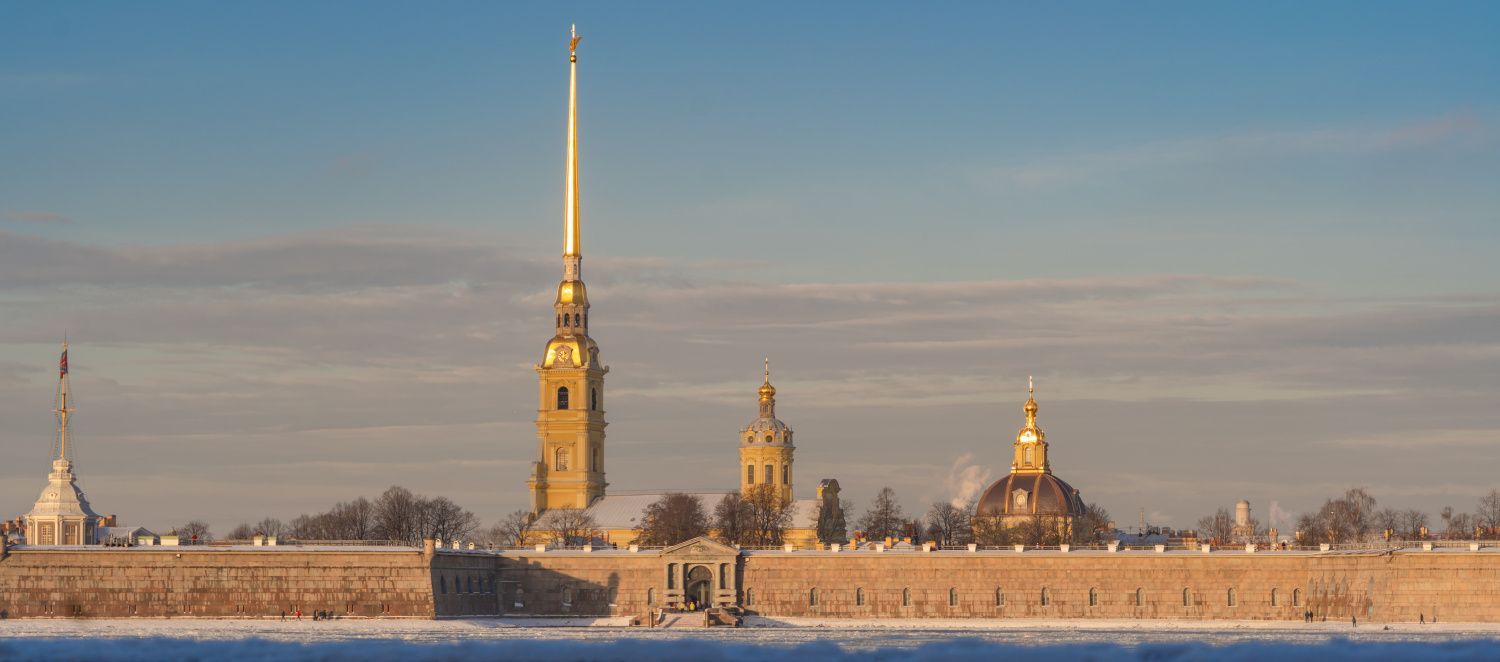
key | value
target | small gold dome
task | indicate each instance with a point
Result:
(767, 390)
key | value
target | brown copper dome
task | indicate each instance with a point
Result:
(1044, 494)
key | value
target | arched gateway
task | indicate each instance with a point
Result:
(700, 572)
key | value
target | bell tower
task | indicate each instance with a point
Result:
(1031, 442)
(569, 470)
(766, 447)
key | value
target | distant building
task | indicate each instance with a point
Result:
(62, 515)
(1031, 491)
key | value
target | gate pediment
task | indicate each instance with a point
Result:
(700, 547)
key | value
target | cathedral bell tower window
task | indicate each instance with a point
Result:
(560, 463)
(562, 397)
(749, 474)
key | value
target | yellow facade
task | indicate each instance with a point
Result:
(766, 448)
(569, 470)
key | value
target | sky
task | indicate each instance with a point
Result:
(305, 251)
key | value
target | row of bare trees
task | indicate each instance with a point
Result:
(398, 514)
(1353, 518)
(948, 524)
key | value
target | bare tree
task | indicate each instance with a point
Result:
(398, 515)
(569, 526)
(1218, 527)
(731, 519)
(269, 526)
(1091, 524)
(510, 531)
(195, 531)
(1487, 515)
(1414, 524)
(674, 518)
(948, 525)
(441, 518)
(768, 516)
(1388, 520)
(241, 532)
(992, 531)
(884, 518)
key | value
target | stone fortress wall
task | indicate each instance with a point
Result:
(1452, 585)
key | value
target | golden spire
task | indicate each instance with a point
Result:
(63, 409)
(572, 245)
(767, 391)
(1030, 402)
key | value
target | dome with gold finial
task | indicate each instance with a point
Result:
(766, 428)
(1031, 489)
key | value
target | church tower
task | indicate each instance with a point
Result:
(569, 471)
(766, 447)
(62, 515)
(1031, 442)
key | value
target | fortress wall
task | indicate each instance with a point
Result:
(213, 582)
(597, 584)
(1458, 586)
(403, 583)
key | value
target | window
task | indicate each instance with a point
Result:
(1229, 599)
(577, 319)
(559, 320)
(812, 597)
(770, 477)
(1046, 597)
(999, 597)
(562, 397)
(1187, 597)
(560, 463)
(749, 474)
(671, 575)
(749, 596)
(1028, 455)
(768, 439)
(1140, 597)
(724, 575)
(594, 399)
(859, 597)
(442, 584)
(750, 439)
(905, 597)
(1273, 598)
(952, 597)
(1093, 597)
(598, 460)
(650, 596)
(1296, 597)
(567, 596)
(786, 474)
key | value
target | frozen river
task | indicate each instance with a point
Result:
(848, 635)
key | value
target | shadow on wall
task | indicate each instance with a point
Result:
(526, 588)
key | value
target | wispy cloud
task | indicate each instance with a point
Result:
(25, 216)
(393, 344)
(1459, 126)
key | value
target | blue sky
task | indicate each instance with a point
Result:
(1253, 168)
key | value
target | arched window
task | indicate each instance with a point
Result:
(1140, 597)
(999, 597)
(594, 399)
(671, 575)
(905, 597)
(559, 320)
(1028, 455)
(567, 595)
(859, 597)
(1093, 597)
(1273, 598)
(952, 597)
(561, 462)
(1229, 599)
(1296, 597)
(812, 597)
(770, 477)
(1187, 597)
(786, 474)
(749, 474)
(562, 397)
(577, 319)
(749, 596)
(650, 596)
(1046, 597)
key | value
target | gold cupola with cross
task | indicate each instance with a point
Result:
(766, 447)
(1031, 441)
(569, 470)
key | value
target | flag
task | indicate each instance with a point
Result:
(62, 364)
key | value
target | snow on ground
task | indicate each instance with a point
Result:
(849, 635)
